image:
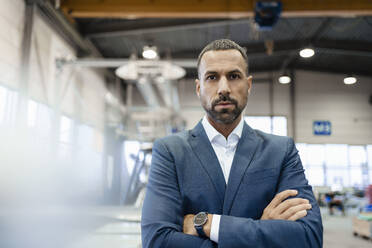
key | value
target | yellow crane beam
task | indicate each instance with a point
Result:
(132, 9)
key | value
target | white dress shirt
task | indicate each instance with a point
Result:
(225, 151)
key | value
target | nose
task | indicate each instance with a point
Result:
(223, 87)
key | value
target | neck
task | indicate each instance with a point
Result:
(224, 129)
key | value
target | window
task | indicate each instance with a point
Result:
(369, 157)
(301, 147)
(274, 125)
(2, 103)
(65, 137)
(131, 152)
(280, 125)
(85, 138)
(66, 130)
(8, 106)
(87, 160)
(356, 177)
(315, 175)
(39, 118)
(262, 123)
(337, 178)
(357, 155)
(336, 165)
(336, 155)
(315, 154)
(32, 113)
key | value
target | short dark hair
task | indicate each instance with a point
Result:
(223, 44)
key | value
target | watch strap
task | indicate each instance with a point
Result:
(200, 231)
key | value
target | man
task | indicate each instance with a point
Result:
(224, 184)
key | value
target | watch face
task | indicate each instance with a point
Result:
(200, 219)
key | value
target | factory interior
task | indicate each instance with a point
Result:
(87, 86)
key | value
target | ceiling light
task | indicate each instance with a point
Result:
(149, 52)
(350, 80)
(135, 69)
(284, 79)
(307, 52)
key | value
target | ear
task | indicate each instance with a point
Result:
(197, 87)
(249, 82)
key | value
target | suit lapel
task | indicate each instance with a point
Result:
(244, 154)
(204, 151)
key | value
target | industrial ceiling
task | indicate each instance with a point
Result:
(339, 31)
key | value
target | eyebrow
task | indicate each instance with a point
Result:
(210, 72)
(214, 72)
(235, 71)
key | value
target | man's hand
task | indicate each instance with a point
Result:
(281, 209)
(188, 225)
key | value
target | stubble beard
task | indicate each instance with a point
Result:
(225, 116)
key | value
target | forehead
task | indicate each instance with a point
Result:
(222, 60)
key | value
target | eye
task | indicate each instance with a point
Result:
(234, 76)
(211, 77)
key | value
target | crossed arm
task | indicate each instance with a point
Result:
(280, 208)
(282, 224)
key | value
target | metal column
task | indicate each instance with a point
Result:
(271, 101)
(25, 63)
(293, 103)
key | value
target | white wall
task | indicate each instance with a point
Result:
(82, 89)
(322, 96)
(319, 96)
(11, 23)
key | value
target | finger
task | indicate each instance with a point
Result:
(293, 210)
(283, 206)
(298, 215)
(282, 196)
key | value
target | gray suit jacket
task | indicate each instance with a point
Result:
(186, 178)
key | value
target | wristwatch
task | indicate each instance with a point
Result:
(199, 221)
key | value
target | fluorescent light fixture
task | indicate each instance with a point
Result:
(284, 79)
(307, 52)
(149, 52)
(133, 70)
(350, 80)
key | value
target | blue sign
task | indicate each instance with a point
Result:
(322, 128)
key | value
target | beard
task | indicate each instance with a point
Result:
(224, 116)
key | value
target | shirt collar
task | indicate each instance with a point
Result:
(212, 132)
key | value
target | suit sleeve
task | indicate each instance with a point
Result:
(305, 232)
(162, 214)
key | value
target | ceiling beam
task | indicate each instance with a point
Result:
(84, 47)
(334, 70)
(101, 26)
(347, 45)
(187, 59)
(286, 47)
(174, 26)
(190, 66)
(57, 20)
(114, 62)
(132, 9)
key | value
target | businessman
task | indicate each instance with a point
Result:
(223, 184)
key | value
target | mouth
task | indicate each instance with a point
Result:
(224, 104)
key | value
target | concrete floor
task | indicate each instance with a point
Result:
(120, 228)
(338, 232)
